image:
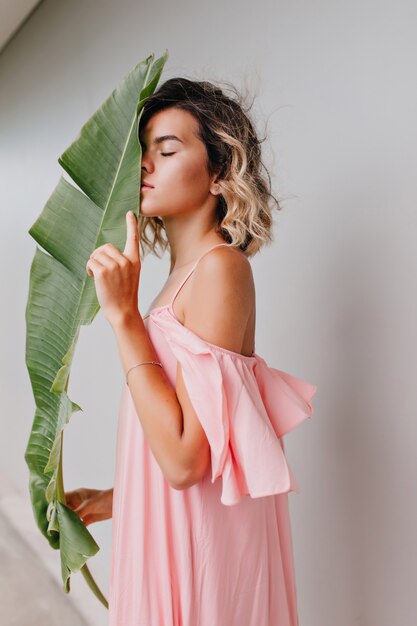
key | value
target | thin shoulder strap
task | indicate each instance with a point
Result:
(192, 270)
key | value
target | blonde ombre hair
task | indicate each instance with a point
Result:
(244, 209)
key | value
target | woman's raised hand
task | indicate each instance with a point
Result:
(116, 275)
(91, 505)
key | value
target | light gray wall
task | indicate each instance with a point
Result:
(336, 293)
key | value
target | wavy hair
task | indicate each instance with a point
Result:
(244, 207)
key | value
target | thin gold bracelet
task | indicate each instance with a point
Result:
(144, 363)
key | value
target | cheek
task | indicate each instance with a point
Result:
(192, 175)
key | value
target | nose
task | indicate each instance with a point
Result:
(147, 163)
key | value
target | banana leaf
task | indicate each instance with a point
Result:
(104, 162)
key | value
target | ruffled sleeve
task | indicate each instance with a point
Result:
(244, 407)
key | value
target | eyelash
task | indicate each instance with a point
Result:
(167, 153)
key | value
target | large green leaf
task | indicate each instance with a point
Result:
(104, 161)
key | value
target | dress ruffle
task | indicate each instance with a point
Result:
(244, 407)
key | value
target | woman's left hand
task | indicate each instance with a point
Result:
(116, 275)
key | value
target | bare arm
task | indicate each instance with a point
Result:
(116, 278)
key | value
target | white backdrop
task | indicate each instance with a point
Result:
(336, 292)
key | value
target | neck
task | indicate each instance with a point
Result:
(188, 238)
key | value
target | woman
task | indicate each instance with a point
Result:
(190, 548)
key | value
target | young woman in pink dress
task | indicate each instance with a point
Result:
(201, 530)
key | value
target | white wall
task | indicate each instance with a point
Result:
(336, 293)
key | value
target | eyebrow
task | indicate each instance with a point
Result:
(163, 138)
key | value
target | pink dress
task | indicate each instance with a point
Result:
(220, 552)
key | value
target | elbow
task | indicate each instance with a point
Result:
(181, 476)
(183, 481)
(183, 485)
(193, 468)
(189, 478)
(179, 485)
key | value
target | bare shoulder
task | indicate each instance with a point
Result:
(222, 298)
(232, 260)
(223, 270)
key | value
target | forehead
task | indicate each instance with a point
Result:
(170, 122)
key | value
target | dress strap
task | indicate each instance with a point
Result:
(192, 270)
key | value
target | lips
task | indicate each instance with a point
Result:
(144, 184)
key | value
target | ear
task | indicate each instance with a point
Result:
(215, 186)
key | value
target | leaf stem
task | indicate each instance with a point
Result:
(93, 585)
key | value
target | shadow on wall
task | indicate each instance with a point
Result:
(28, 592)
(28, 595)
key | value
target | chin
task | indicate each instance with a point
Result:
(147, 212)
(150, 215)
(160, 212)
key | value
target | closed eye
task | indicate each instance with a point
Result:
(167, 153)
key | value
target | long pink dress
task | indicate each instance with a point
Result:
(220, 552)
